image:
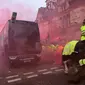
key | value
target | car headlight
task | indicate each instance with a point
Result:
(12, 57)
(39, 55)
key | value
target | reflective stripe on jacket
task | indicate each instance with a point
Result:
(82, 37)
(82, 62)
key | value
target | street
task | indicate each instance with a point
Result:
(44, 74)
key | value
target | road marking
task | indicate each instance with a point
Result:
(42, 70)
(59, 70)
(12, 76)
(28, 73)
(32, 76)
(14, 80)
(47, 72)
(54, 68)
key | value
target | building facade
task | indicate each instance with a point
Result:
(67, 18)
(70, 14)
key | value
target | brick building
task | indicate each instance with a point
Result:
(64, 18)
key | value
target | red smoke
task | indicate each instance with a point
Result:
(4, 16)
(23, 13)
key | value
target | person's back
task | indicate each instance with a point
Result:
(73, 51)
(67, 53)
(68, 49)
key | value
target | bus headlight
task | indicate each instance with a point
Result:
(12, 57)
(38, 55)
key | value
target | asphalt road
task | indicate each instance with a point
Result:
(42, 77)
(42, 74)
(32, 68)
(46, 73)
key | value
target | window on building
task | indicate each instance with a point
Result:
(59, 9)
(51, 5)
(71, 1)
(60, 2)
(62, 30)
(66, 21)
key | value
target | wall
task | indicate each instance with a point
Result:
(64, 19)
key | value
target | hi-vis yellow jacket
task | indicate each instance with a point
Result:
(69, 47)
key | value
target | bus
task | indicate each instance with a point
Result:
(20, 41)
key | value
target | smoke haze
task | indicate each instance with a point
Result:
(25, 12)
